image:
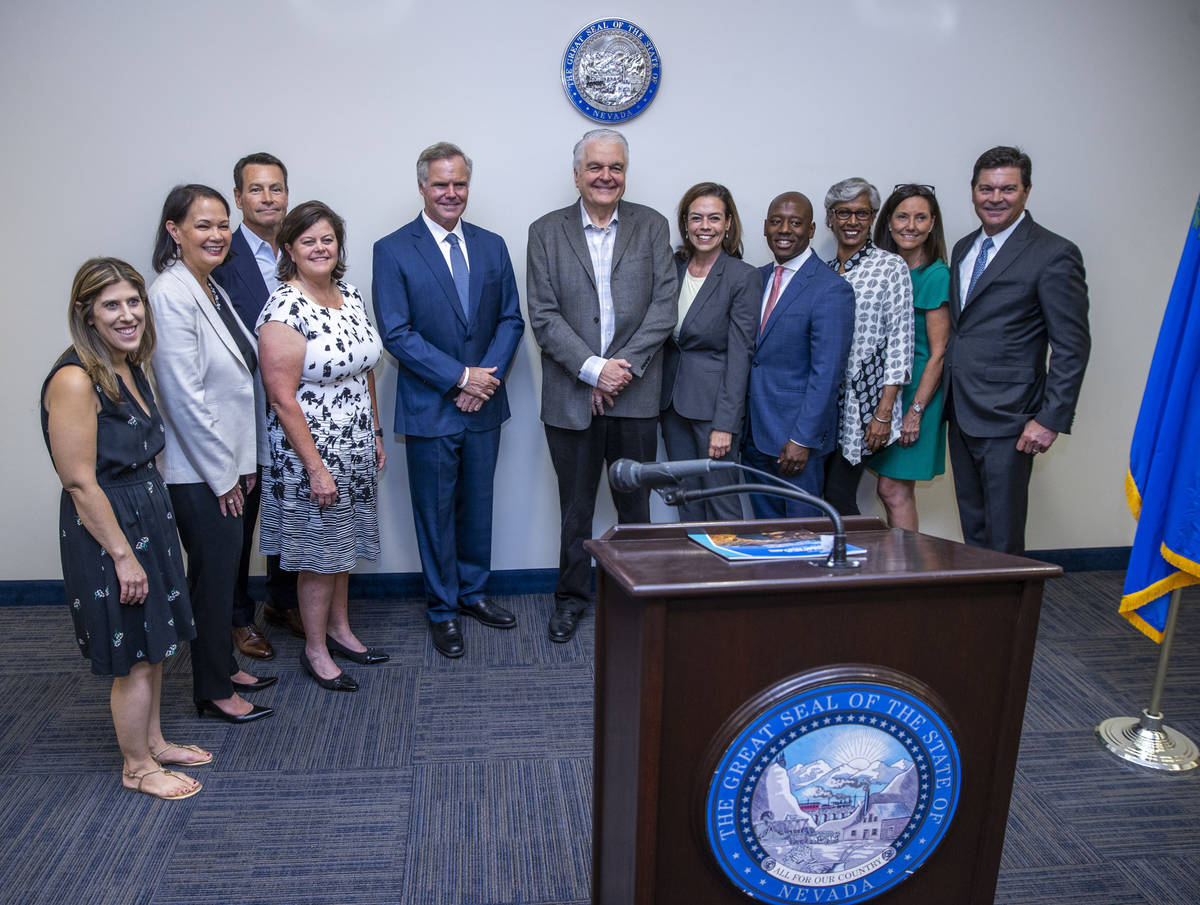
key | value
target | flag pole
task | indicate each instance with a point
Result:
(1147, 741)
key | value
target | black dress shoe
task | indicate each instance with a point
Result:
(257, 685)
(563, 625)
(256, 712)
(340, 682)
(490, 614)
(447, 638)
(368, 657)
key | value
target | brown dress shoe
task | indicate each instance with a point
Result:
(247, 639)
(289, 619)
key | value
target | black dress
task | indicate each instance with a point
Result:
(115, 636)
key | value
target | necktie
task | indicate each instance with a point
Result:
(458, 269)
(772, 298)
(981, 263)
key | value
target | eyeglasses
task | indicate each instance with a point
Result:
(914, 185)
(842, 214)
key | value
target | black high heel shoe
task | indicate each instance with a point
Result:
(340, 682)
(368, 657)
(256, 712)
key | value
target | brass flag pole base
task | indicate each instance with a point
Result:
(1147, 741)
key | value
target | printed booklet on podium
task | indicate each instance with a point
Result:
(796, 543)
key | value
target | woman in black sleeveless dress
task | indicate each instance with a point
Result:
(122, 564)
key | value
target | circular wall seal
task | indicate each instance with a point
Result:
(611, 70)
(835, 791)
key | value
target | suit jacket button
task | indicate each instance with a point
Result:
(595, 320)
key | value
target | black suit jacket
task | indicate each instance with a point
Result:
(239, 276)
(1032, 297)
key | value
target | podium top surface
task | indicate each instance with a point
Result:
(660, 560)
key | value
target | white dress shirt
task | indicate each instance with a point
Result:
(790, 268)
(264, 257)
(968, 262)
(600, 242)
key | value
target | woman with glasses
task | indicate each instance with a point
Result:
(706, 364)
(881, 352)
(910, 225)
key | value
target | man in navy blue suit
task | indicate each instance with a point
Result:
(447, 307)
(804, 334)
(260, 191)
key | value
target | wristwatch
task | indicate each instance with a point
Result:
(918, 408)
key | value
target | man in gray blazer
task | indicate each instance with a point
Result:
(602, 300)
(1016, 289)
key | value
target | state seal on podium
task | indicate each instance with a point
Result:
(831, 788)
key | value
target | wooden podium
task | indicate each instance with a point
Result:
(684, 639)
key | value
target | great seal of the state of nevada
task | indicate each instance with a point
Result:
(611, 70)
(835, 794)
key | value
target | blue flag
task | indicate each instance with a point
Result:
(1163, 484)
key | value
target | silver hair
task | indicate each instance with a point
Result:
(606, 135)
(848, 190)
(443, 150)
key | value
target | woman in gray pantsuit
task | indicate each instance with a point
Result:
(707, 358)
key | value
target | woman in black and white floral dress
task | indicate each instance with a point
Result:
(317, 348)
(881, 352)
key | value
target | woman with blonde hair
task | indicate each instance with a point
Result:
(122, 566)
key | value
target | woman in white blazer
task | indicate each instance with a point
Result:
(204, 365)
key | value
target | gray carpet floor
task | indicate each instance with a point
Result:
(469, 782)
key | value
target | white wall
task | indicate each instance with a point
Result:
(107, 106)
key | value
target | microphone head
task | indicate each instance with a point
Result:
(624, 475)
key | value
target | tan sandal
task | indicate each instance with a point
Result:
(182, 763)
(141, 778)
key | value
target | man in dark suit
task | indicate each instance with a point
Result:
(601, 294)
(1015, 289)
(447, 307)
(260, 192)
(804, 335)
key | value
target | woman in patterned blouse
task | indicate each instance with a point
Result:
(881, 352)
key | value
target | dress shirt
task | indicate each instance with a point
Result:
(600, 242)
(689, 288)
(439, 234)
(790, 268)
(264, 257)
(968, 262)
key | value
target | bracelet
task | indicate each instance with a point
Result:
(881, 420)
(378, 432)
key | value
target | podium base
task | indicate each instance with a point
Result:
(1148, 743)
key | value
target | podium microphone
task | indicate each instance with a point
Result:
(625, 474)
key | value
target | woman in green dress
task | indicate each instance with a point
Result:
(910, 224)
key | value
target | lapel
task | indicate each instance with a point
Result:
(245, 269)
(572, 224)
(956, 259)
(795, 288)
(1008, 253)
(707, 290)
(625, 220)
(427, 249)
(207, 311)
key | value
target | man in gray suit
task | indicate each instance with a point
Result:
(601, 292)
(1016, 289)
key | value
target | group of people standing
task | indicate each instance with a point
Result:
(266, 404)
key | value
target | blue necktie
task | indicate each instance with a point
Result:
(462, 276)
(981, 263)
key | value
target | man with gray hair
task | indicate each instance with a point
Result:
(601, 290)
(447, 307)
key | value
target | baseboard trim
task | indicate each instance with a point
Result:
(1086, 559)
